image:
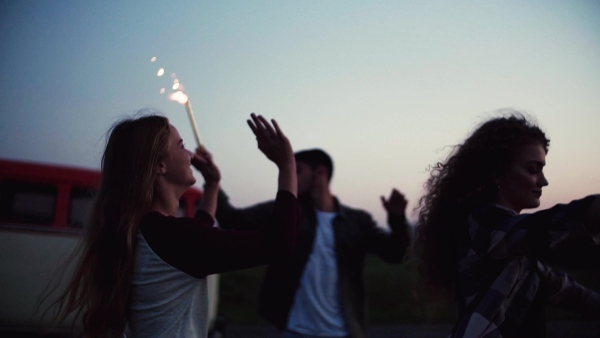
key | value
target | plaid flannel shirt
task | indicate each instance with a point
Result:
(502, 260)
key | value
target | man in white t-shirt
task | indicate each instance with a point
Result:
(320, 292)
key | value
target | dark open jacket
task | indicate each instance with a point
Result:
(356, 234)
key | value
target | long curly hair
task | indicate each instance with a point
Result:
(99, 291)
(464, 181)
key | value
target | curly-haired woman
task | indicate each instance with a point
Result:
(473, 243)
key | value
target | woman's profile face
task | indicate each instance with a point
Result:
(178, 161)
(521, 186)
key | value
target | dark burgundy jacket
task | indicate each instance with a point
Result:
(198, 248)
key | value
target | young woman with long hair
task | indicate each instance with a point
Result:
(472, 243)
(142, 270)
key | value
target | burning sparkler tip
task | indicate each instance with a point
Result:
(179, 96)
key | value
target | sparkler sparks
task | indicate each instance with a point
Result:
(179, 96)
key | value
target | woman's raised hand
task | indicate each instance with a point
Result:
(276, 146)
(272, 141)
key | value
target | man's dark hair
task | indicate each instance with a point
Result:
(314, 158)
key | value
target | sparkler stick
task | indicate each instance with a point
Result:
(182, 98)
(188, 108)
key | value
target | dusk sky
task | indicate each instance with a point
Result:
(386, 87)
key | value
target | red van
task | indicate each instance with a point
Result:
(43, 208)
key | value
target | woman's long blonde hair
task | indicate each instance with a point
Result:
(99, 291)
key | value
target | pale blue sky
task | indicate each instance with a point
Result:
(383, 86)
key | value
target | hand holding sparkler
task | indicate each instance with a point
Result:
(203, 161)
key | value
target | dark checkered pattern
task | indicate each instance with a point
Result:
(503, 267)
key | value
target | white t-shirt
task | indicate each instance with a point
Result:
(317, 308)
(165, 302)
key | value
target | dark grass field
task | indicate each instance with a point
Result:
(393, 298)
(395, 307)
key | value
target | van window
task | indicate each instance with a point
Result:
(80, 206)
(26, 202)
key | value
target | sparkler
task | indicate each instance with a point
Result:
(179, 96)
